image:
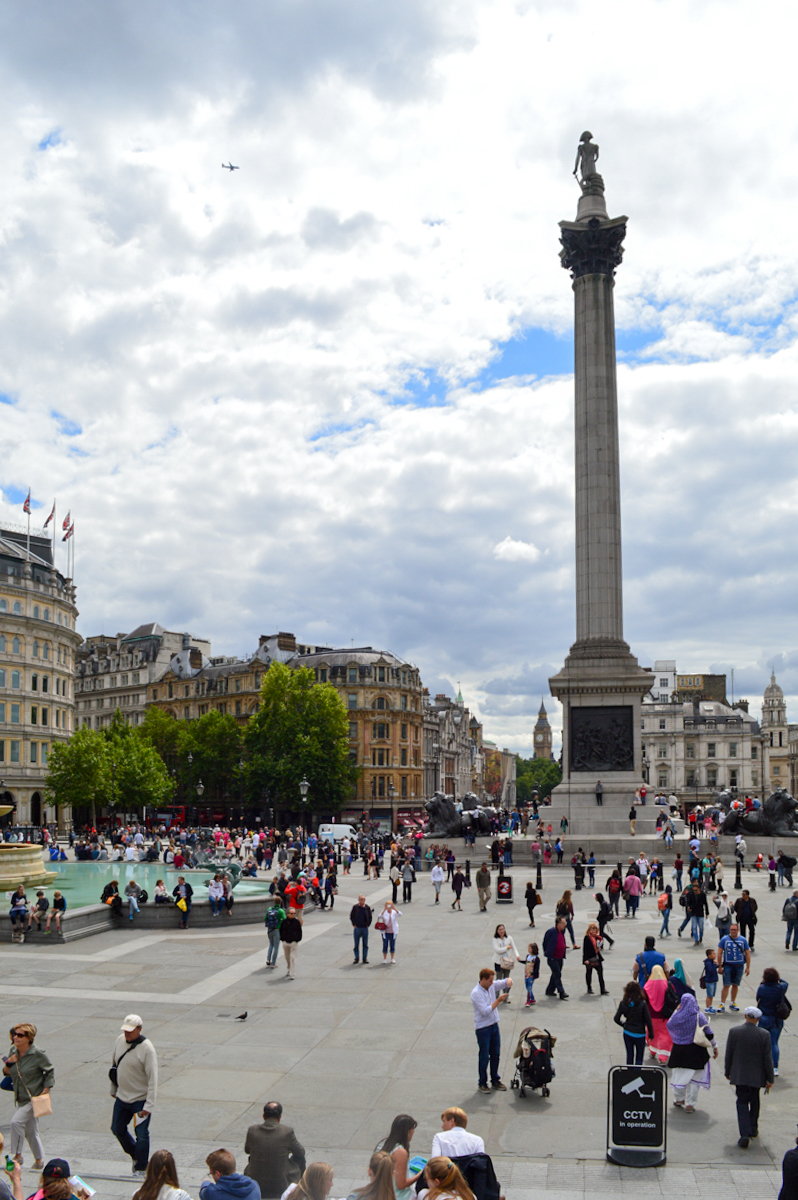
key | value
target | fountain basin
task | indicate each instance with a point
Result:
(22, 863)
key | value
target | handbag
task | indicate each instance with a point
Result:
(380, 926)
(783, 1009)
(181, 904)
(699, 1037)
(40, 1105)
(507, 962)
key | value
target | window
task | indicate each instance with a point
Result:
(710, 749)
(662, 779)
(404, 703)
(381, 674)
(34, 715)
(186, 688)
(3, 606)
(732, 778)
(2, 751)
(35, 612)
(732, 749)
(662, 722)
(2, 677)
(404, 757)
(781, 735)
(15, 681)
(404, 732)
(323, 674)
(33, 749)
(47, 614)
(170, 691)
(17, 609)
(663, 683)
(187, 711)
(353, 674)
(712, 777)
(44, 753)
(35, 648)
(777, 770)
(238, 708)
(381, 785)
(755, 778)
(404, 678)
(46, 651)
(415, 734)
(14, 752)
(352, 700)
(642, 724)
(45, 716)
(380, 702)
(136, 677)
(754, 752)
(404, 787)
(352, 730)
(15, 714)
(662, 751)
(378, 758)
(238, 686)
(689, 750)
(2, 712)
(46, 685)
(16, 646)
(34, 682)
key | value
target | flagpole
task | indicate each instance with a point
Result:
(28, 547)
(55, 526)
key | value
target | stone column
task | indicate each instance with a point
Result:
(601, 684)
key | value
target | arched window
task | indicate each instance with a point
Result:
(34, 682)
(35, 612)
(16, 647)
(3, 606)
(35, 648)
(15, 681)
(2, 678)
(2, 643)
(47, 614)
(45, 650)
(17, 609)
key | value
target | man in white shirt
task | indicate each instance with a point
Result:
(486, 998)
(455, 1141)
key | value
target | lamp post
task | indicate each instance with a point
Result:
(303, 788)
(241, 787)
(392, 794)
(200, 790)
(113, 786)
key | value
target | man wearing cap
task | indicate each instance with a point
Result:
(749, 1067)
(134, 1084)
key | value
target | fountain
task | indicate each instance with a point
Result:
(21, 863)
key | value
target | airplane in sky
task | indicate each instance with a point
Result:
(229, 167)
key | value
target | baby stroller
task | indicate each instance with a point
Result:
(534, 1067)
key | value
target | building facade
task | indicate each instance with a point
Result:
(112, 674)
(38, 644)
(696, 748)
(776, 738)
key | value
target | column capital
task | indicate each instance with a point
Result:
(593, 247)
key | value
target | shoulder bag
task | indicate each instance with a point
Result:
(41, 1105)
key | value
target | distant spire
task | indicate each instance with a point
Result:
(542, 709)
(459, 696)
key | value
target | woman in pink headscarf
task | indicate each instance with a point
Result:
(662, 1003)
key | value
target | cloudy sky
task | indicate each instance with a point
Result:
(331, 392)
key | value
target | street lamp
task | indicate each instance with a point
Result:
(303, 788)
(241, 787)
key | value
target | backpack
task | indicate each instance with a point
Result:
(614, 886)
(272, 918)
(783, 1009)
(541, 1068)
(662, 902)
(790, 912)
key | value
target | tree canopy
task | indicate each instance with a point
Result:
(301, 729)
(535, 772)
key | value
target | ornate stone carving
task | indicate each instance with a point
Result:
(602, 738)
(593, 250)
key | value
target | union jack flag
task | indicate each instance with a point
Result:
(26, 505)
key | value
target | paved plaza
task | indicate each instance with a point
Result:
(345, 1048)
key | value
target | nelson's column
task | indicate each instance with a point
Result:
(601, 685)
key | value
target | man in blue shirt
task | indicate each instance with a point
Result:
(734, 955)
(646, 961)
(486, 998)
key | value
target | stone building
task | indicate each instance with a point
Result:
(696, 748)
(38, 643)
(450, 747)
(775, 732)
(112, 674)
(543, 735)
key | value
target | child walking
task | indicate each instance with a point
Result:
(709, 980)
(531, 973)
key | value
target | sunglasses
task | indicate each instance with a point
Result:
(15, 1034)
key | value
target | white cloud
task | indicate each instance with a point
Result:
(512, 551)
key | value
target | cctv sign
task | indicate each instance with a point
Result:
(636, 1116)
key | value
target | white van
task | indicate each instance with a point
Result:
(336, 832)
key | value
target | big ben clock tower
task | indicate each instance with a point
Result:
(543, 735)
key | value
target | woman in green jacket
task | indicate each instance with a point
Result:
(31, 1075)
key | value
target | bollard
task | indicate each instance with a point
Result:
(539, 879)
(468, 868)
(738, 878)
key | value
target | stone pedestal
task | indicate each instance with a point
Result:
(601, 685)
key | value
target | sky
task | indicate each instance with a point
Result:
(332, 393)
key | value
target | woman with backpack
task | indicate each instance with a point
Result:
(614, 889)
(604, 918)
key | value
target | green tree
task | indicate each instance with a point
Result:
(301, 729)
(215, 743)
(161, 730)
(138, 774)
(78, 771)
(536, 772)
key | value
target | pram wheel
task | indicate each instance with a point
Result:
(514, 1083)
(545, 1092)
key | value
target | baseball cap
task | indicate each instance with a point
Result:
(56, 1168)
(753, 1011)
(132, 1022)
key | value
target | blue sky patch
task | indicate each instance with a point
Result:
(4, 399)
(16, 495)
(336, 428)
(53, 138)
(534, 352)
(65, 425)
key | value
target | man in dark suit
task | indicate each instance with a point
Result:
(749, 1067)
(789, 1175)
(276, 1158)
